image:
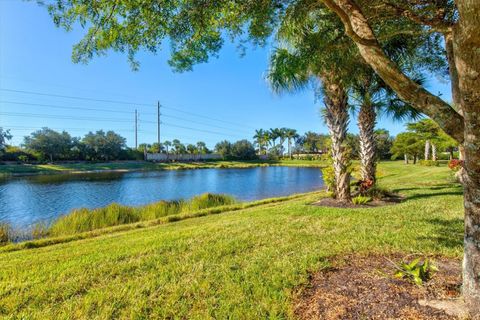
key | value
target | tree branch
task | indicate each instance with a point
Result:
(407, 89)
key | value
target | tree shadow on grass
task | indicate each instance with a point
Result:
(448, 232)
(431, 195)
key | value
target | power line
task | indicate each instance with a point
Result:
(65, 107)
(200, 130)
(123, 102)
(75, 97)
(196, 122)
(37, 115)
(112, 111)
(210, 118)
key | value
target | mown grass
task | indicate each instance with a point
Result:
(243, 264)
(125, 166)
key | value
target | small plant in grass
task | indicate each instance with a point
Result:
(417, 271)
(359, 200)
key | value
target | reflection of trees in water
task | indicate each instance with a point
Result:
(59, 178)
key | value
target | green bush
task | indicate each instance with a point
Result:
(429, 163)
(83, 219)
(359, 200)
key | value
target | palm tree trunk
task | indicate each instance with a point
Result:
(366, 125)
(290, 148)
(336, 116)
(434, 152)
(427, 149)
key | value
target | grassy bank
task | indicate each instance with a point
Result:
(242, 264)
(125, 166)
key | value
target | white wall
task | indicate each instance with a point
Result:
(161, 157)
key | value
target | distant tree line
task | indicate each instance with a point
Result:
(272, 142)
(47, 145)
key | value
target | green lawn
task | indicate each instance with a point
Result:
(244, 264)
(20, 169)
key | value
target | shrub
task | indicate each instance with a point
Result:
(455, 164)
(416, 271)
(429, 163)
(359, 200)
(328, 175)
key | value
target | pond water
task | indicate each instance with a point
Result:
(28, 200)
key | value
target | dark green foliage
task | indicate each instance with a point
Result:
(103, 146)
(224, 148)
(417, 271)
(407, 143)
(384, 143)
(4, 137)
(50, 144)
(243, 150)
(240, 150)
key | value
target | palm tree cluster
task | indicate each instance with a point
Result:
(309, 55)
(175, 147)
(272, 141)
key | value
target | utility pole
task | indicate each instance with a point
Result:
(158, 125)
(136, 129)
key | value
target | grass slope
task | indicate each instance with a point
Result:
(240, 265)
(125, 166)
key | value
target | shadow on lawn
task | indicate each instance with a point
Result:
(455, 190)
(449, 232)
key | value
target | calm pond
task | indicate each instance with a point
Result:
(28, 200)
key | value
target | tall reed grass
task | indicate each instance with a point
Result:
(83, 219)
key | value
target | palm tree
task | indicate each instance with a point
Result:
(167, 144)
(373, 97)
(291, 134)
(291, 71)
(260, 139)
(202, 147)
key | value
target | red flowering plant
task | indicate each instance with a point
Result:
(455, 164)
(364, 185)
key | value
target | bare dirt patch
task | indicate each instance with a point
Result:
(363, 287)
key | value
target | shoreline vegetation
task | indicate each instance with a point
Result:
(89, 223)
(18, 170)
(259, 253)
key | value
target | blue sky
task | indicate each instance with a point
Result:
(35, 56)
